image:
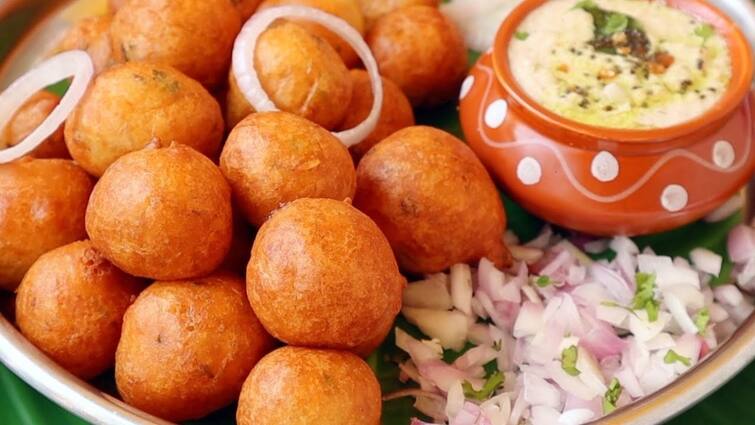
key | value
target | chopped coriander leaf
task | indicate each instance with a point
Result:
(644, 298)
(490, 368)
(672, 357)
(701, 320)
(521, 35)
(705, 31)
(616, 22)
(569, 361)
(611, 396)
(543, 281)
(491, 384)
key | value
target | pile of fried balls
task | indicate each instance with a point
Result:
(211, 254)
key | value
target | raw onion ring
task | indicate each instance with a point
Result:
(74, 63)
(249, 82)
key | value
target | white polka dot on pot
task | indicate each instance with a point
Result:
(496, 113)
(529, 171)
(723, 154)
(605, 167)
(466, 87)
(674, 198)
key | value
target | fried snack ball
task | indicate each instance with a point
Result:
(273, 158)
(162, 214)
(302, 74)
(236, 106)
(348, 10)
(188, 346)
(422, 51)
(375, 9)
(246, 7)
(303, 386)
(71, 305)
(42, 207)
(93, 36)
(116, 4)
(433, 199)
(323, 275)
(396, 114)
(194, 36)
(27, 119)
(132, 105)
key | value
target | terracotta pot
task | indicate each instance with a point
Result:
(608, 181)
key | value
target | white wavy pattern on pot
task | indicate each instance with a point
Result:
(667, 157)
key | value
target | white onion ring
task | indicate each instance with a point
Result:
(74, 63)
(249, 82)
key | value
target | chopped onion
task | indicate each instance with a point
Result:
(729, 295)
(527, 254)
(248, 80)
(741, 244)
(455, 400)
(576, 417)
(530, 320)
(706, 261)
(537, 391)
(74, 63)
(461, 288)
(729, 208)
(449, 327)
(430, 293)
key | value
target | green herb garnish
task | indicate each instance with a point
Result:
(521, 35)
(615, 22)
(672, 357)
(608, 23)
(701, 320)
(491, 384)
(644, 298)
(569, 361)
(611, 396)
(543, 281)
(705, 31)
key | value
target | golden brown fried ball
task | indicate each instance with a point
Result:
(137, 104)
(42, 207)
(194, 36)
(93, 36)
(188, 346)
(302, 74)
(236, 106)
(323, 275)
(116, 4)
(162, 214)
(302, 386)
(378, 338)
(375, 9)
(422, 51)
(396, 114)
(246, 7)
(273, 158)
(348, 10)
(71, 305)
(27, 119)
(433, 199)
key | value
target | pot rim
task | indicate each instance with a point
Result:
(594, 137)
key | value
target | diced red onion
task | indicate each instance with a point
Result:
(576, 417)
(537, 391)
(562, 261)
(717, 313)
(602, 342)
(706, 261)
(444, 375)
(662, 341)
(728, 294)
(461, 288)
(412, 392)
(617, 286)
(431, 407)
(418, 351)
(74, 63)
(476, 356)
(542, 240)
(530, 320)
(741, 244)
(544, 415)
(596, 247)
(629, 382)
(454, 400)
(570, 384)
(490, 280)
(729, 208)
(248, 80)
(679, 312)
(520, 404)
(448, 327)
(526, 254)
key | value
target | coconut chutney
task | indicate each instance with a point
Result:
(625, 64)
